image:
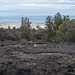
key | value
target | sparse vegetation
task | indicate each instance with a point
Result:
(25, 28)
(57, 29)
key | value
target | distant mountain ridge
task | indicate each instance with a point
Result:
(34, 19)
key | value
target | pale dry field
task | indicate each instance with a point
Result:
(18, 24)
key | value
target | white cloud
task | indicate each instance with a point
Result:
(65, 1)
(29, 5)
(12, 5)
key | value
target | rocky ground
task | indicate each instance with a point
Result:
(28, 58)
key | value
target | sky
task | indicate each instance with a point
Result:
(36, 7)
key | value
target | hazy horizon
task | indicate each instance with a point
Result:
(33, 19)
(11, 10)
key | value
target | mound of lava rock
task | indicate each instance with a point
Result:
(19, 63)
(4, 35)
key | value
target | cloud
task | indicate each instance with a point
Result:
(29, 5)
(33, 5)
